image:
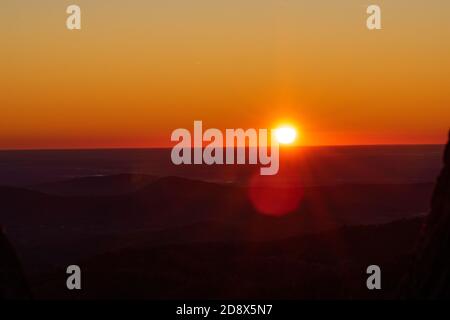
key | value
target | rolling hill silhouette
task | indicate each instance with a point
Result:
(173, 237)
(170, 202)
(96, 185)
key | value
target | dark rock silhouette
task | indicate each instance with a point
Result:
(12, 280)
(430, 275)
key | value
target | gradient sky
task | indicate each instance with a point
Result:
(139, 69)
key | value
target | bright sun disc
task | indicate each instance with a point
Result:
(285, 135)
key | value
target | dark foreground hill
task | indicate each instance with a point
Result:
(178, 238)
(330, 265)
(51, 230)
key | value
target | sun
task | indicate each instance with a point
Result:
(285, 134)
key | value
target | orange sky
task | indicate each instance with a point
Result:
(138, 70)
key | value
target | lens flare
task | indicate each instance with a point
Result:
(270, 196)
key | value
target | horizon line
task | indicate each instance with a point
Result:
(167, 147)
